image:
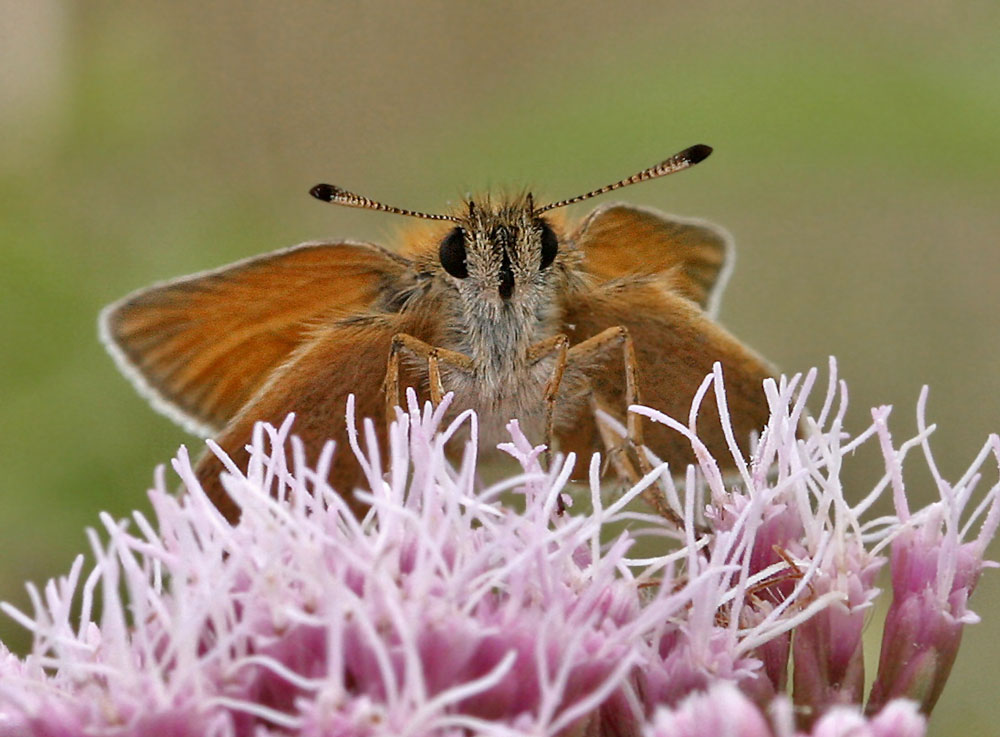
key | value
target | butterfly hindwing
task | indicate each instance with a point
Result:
(676, 345)
(345, 358)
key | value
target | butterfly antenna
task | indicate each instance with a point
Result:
(678, 162)
(338, 196)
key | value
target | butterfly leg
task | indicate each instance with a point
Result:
(434, 355)
(558, 344)
(595, 352)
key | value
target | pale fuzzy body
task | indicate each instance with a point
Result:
(499, 398)
(497, 333)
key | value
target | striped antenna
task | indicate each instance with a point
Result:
(677, 162)
(338, 196)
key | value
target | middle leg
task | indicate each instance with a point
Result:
(597, 352)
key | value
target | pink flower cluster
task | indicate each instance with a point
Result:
(446, 611)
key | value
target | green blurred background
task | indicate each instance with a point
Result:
(857, 164)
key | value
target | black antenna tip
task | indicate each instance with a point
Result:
(698, 153)
(325, 192)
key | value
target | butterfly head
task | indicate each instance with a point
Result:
(499, 250)
(503, 253)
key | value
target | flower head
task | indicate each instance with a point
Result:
(446, 611)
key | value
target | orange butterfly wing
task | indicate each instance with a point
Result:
(342, 358)
(200, 347)
(657, 276)
(691, 256)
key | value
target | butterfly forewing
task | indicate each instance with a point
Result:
(690, 256)
(203, 345)
(661, 277)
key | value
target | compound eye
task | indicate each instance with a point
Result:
(550, 244)
(452, 253)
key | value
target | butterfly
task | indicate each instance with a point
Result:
(517, 312)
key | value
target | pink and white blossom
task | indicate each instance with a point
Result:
(446, 611)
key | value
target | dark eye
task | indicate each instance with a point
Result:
(452, 254)
(550, 244)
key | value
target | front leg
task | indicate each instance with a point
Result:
(558, 344)
(434, 355)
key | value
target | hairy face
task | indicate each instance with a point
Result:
(500, 254)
